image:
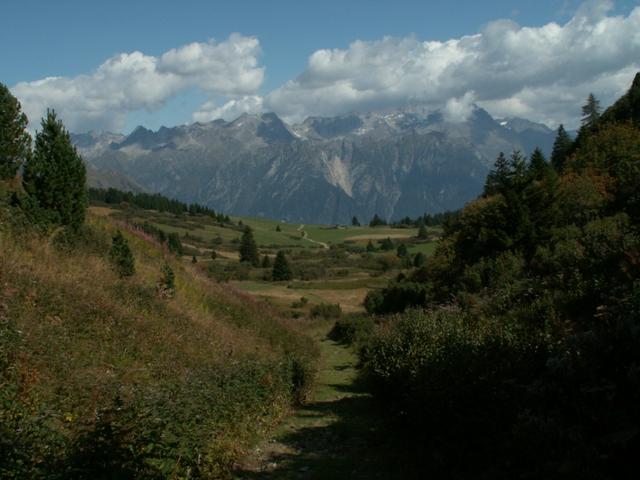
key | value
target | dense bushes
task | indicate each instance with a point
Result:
(508, 402)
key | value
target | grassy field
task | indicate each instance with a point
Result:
(331, 263)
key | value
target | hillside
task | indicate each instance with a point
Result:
(324, 170)
(125, 376)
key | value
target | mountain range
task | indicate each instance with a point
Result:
(323, 170)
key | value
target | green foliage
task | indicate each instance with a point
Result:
(562, 147)
(326, 310)
(370, 246)
(248, 248)
(422, 232)
(525, 362)
(266, 262)
(55, 176)
(281, 270)
(121, 256)
(387, 245)
(355, 222)
(419, 260)
(376, 221)
(166, 286)
(352, 330)
(402, 251)
(15, 142)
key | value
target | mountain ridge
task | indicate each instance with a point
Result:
(322, 170)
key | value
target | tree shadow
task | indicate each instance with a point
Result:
(349, 440)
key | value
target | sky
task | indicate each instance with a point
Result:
(113, 65)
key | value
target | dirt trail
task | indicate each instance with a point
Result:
(336, 435)
(305, 236)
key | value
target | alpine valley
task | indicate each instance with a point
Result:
(323, 170)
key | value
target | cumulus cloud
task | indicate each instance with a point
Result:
(230, 110)
(543, 72)
(134, 81)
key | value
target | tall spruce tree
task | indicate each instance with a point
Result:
(281, 270)
(590, 112)
(538, 165)
(15, 142)
(355, 222)
(498, 178)
(248, 248)
(55, 175)
(422, 231)
(561, 149)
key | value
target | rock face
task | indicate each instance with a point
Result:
(324, 170)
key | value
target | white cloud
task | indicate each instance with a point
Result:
(459, 109)
(544, 72)
(230, 110)
(133, 81)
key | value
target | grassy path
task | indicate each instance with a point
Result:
(336, 435)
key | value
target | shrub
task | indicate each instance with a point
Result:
(352, 330)
(326, 310)
(121, 256)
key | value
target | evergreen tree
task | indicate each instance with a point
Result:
(590, 112)
(561, 149)
(419, 260)
(214, 255)
(498, 178)
(370, 247)
(387, 244)
(278, 229)
(55, 175)
(166, 286)
(15, 142)
(266, 262)
(121, 257)
(248, 248)
(281, 270)
(402, 250)
(174, 243)
(376, 221)
(538, 165)
(355, 222)
(194, 259)
(422, 231)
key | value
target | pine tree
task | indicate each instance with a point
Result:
(402, 250)
(422, 231)
(376, 221)
(121, 257)
(248, 248)
(194, 259)
(355, 222)
(538, 166)
(499, 177)
(590, 112)
(561, 149)
(278, 229)
(386, 244)
(214, 255)
(55, 175)
(370, 247)
(281, 270)
(15, 142)
(266, 262)
(419, 260)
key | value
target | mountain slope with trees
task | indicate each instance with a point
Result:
(522, 358)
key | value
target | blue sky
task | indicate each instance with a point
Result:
(72, 39)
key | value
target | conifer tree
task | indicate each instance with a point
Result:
(376, 221)
(194, 259)
(419, 260)
(498, 178)
(121, 257)
(214, 255)
(402, 250)
(386, 244)
(266, 262)
(281, 270)
(561, 149)
(355, 222)
(370, 247)
(278, 229)
(248, 248)
(538, 165)
(422, 231)
(15, 142)
(55, 175)
(590, 112)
